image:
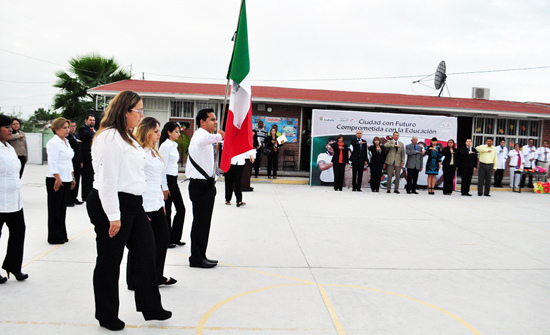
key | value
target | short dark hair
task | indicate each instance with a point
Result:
(331, 139)
(89, 115)
(395, 132)
(488, 138)
(531, 139)
(202, 115)
(545, 141)
(338, 137)
(72, 121)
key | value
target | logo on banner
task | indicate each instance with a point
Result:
(344, 120)
(445, 126)
(326, 119)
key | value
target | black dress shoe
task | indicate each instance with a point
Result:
(396, 192)
(170, 281)
(486, 195)
(358, 190)
(388, 191)
(215, 261)
(414, 192)
(76, 202)
(3, 279)
(117, 324)
(157, 315)
(171, 245)
(70, 204)
(204, 264)
(180, 243)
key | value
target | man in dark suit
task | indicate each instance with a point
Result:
(414, 152)
(468, 162)
(359, 160)
(86, 134)
(77, 163)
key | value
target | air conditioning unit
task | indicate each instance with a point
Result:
(480, 93)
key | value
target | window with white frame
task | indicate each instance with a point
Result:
(182, 109)
(510, 130)
(156, 104)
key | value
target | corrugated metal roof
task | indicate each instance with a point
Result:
(327, 97)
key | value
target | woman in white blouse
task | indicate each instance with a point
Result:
(169, 152)
(59, 180)
(115, 208)
(517, 160)
(148, 135)
(11, 204)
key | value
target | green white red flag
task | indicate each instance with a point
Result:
(238, 130)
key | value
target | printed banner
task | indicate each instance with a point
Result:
(285, 125)
(327, 124)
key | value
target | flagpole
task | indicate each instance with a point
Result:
(229, 74)
(223, 113)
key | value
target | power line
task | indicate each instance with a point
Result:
(27, 82)
(360, 78)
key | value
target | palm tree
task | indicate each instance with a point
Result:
(85, 72)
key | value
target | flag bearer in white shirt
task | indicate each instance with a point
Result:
(148, 135)
(11, 203)
(202, 189)
(115, 207)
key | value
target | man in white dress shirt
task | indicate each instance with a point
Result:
(530, 154)
(543, 155)
(202, 190)
(502, 157)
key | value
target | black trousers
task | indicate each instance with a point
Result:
(484, 178)
(202, 196)
(16, 225)
(412, 180)
(448, 178)
(233, 181)
(357, 175)
(499, 174)
(161, 231)
(339, 170)
(137, 235)
(523, 177)
(87, 174)
(57, 210)
(375, 176)
(176, 199)
(273, 163)
(74, 193)
(466, 175)
(258, 161)
(23, 160)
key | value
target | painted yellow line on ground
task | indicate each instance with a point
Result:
(464, 323)
(206, 316)
(252, 270)
(331, 310)
(255, 329)
(55, 248)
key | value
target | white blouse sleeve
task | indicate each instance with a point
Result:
(164, 151)
(108, 155)
(53, 151)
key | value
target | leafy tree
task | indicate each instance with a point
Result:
(85, 72)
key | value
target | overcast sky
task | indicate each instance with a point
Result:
(290, 40)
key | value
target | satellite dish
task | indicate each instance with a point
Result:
(440, 77)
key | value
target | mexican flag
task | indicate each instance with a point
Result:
(238, 130)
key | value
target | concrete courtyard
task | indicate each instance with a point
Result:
(307, 260)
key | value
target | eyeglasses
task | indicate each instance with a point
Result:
(140, 111)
